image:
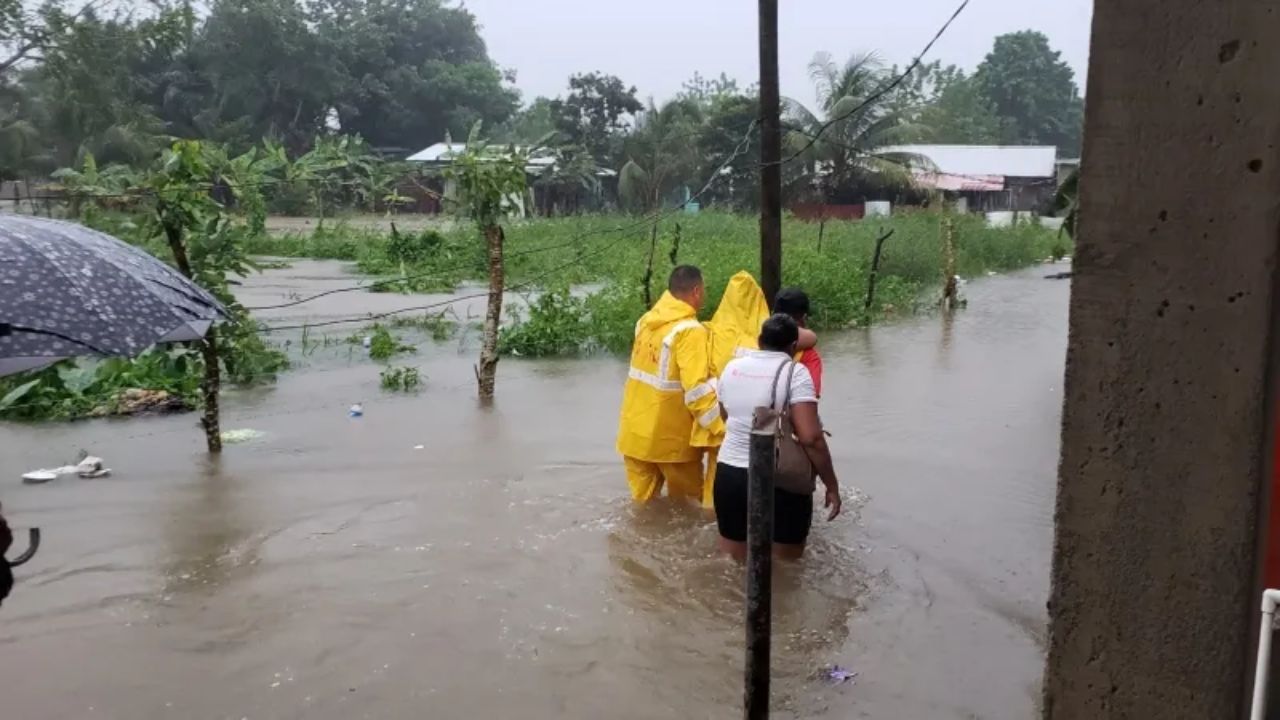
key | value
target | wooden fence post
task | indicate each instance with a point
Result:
(875, 268)
(950, 286)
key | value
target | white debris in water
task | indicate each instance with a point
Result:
(241, 435)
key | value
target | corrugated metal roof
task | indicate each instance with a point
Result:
(960, 183)
(1035, 161)
(444, 153)
(438, 152)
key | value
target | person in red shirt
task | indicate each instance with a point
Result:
(795, 302)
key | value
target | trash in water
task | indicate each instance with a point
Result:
(419, 447)
(367, 342)
(356, 410)
(89, 467)
(838, 675)
(240, 435)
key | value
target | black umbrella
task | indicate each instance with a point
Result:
(66, 291)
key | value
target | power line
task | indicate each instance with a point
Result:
(884, 90)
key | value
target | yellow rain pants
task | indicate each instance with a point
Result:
(734, 328)
(669, 391)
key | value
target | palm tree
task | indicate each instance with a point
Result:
(661, 154)
(854, 119)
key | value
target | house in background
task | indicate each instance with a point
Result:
(548, 197)
(987, 178)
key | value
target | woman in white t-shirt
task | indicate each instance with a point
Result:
(747, 383)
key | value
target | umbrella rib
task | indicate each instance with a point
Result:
(61, 336)
(190, 296)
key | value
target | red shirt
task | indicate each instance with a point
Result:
(812, 362)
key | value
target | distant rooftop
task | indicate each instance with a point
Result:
(444, 153)
(985, 161)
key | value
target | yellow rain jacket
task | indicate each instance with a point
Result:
(669, 389)
(734, 328)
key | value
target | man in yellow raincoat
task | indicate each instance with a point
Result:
(670, 391)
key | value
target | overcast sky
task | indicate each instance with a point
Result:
(657, 44)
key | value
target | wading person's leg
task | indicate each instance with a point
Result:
(684, 480)
(731, 509)
(644, 479)
(792, 518)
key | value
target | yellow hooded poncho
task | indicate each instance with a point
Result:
(734, 328)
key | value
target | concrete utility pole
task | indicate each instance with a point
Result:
(1170, 365)
(770, 154)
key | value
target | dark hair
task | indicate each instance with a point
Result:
(793, 302)
(779, 333)
(684, 279)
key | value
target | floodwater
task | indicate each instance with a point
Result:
(331, 570)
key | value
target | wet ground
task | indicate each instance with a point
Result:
(331, 570)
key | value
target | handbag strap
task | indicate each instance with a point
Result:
(773, 396)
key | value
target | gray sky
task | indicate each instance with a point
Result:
(657, 44)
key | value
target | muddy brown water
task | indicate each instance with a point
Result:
(331, 570)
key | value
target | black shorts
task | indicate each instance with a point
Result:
(792, 513)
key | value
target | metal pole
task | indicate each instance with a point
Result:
(770, 154)
(759, 569)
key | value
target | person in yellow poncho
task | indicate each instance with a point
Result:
(670, 390)
(734, 330)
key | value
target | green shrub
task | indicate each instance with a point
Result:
(400, 379)
(384, 346)
(556, 325)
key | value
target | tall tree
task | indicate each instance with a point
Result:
(84, 91)
(266, 69)
(729, 144)
(941, 104)
(661, 154)
(854, 121)
(410, 71)
(1033, 90)
(29, 29)
(594, 114)
(529, 125)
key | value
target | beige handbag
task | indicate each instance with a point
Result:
(793, 470)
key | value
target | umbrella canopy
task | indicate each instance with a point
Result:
(66, 290)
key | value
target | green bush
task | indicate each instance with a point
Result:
(400, 379)
(384, 346)
(77, 388)
(411, 248)
(556, 325)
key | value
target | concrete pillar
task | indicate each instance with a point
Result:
(1168, 364)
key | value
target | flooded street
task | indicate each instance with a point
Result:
(330, 570)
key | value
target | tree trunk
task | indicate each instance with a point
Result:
(487, 371)
(211, 384)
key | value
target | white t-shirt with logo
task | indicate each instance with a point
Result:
(746, 384)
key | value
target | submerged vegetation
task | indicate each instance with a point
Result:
(583, 281)
(606, 256)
